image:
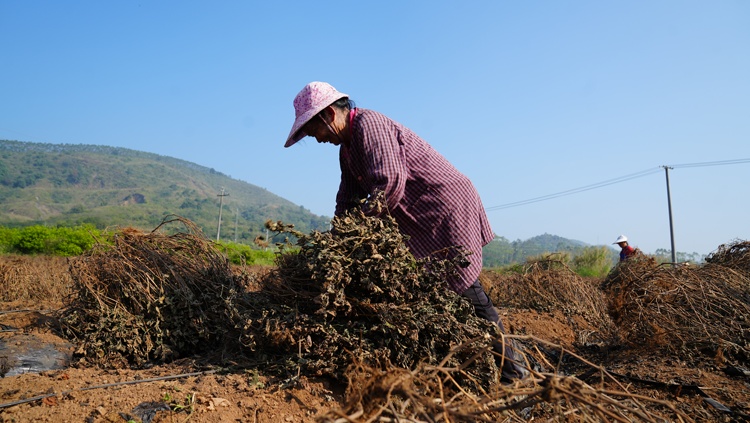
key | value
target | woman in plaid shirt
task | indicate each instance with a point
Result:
(435, 205)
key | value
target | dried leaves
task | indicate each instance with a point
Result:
(357, 293)
(26, 278)
(150, 297)
(735, 255)
(352, 293)
(433, 393)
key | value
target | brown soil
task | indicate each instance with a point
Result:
(217, 395)
(96, 395)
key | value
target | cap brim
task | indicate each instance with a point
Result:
(296, 133)
(293, 137)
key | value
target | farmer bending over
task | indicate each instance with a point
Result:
(435, 205)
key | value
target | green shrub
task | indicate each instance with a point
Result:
(593, 262)
(72, 241)
(7, 239)
(509, 268)
(244, 254)
(56, 241)
(32, 240)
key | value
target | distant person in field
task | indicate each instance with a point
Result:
(434, 204)
(626, 251)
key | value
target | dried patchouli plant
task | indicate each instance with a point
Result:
(150, 297)
(357, 292)
(686, 310)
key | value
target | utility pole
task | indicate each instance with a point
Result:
(221, 205)
(669, 204)
(236, 217)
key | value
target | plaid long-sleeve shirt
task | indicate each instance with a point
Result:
(432, 202)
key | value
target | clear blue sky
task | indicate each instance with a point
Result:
(527, 98)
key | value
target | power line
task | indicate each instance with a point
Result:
(718, 163)
(608, 182)
(577, 190)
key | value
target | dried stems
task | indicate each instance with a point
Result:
(431, 393)
(685, 309)
(150, 296)
(547, 285)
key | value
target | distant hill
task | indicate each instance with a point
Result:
(501, 251)
(550, 243)
(68, 185)
(60, 184)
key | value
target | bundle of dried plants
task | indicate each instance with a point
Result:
(684, 309)
(34, 278)
(150, 297)
(548, 284)
(356, 292)
(735, 255)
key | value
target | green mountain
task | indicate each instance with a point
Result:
(61, 184)
(69, 185)
(550, 243)
(501, 251)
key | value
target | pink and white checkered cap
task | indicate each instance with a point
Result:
(313, 98)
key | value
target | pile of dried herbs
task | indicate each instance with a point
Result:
(356, 294)
(685, 309)
(548, 284)
(734, 255)
(149, 297)
(352, 294)
(430, 394)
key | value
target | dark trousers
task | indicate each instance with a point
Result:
(513, 362)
